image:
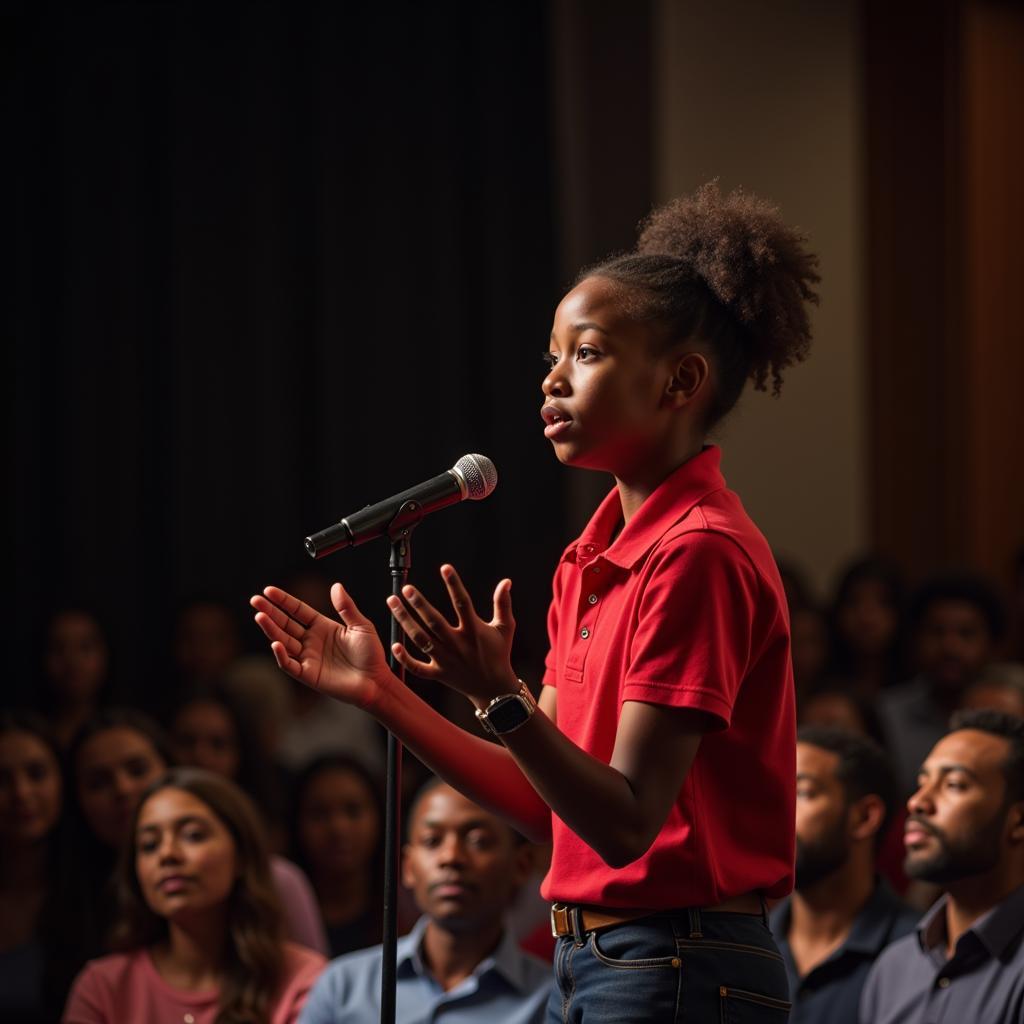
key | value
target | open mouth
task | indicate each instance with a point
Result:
(556, 421)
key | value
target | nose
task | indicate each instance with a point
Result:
(451, 851)
(920, 801)
(555, 384)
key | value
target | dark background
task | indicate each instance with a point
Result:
(275, 262)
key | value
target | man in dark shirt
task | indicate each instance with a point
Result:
(965, 832)
(841, 915)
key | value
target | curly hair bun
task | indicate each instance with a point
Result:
(752, 263)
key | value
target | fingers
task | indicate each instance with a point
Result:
(411, 625)
(503, 619)
(457, 594)
(422, 669)
(276, 635)
(291, 606)
(346, 607)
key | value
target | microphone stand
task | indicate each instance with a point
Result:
(399, 532)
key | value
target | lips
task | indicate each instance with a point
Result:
(916, 833)
(556, 420)
(172, 884)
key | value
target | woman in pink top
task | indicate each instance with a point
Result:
(198, 921)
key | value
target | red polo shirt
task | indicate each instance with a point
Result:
(686, 609)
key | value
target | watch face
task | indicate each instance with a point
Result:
(508, 714)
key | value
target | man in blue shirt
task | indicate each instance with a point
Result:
(841, 914)
(965, 832)
(458, 965)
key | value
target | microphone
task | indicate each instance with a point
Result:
(472, 477)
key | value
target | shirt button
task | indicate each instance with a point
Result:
(592, 599)
(943, 982)
(596, 568)
(584, 632)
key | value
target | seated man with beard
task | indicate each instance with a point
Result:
(841, 914)
(965, 832)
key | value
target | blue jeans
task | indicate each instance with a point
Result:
(689, 966)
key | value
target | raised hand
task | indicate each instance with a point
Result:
(471, 656)
(343, 659)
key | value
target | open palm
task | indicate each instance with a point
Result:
(343, 659)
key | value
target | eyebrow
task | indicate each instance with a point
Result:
(586, 325)
(188, 819)
(462, 826)
(945, 769)
(807, 777)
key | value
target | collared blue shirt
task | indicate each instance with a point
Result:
(913, 982)
(830, 991)
(508, 987)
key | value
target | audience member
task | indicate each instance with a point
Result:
(835, 706)
(31, 796)
(76, 664)
(965, 832)
(207, 640)
(338, 838)
(208, 732)
(113, 759)
(198, 927)
(1001, 688)
(459, 964)
(865, 627)
(955, 623)
(841, 914)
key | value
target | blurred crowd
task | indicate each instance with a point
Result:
(264, 757)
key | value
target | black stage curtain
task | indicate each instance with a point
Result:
(274, 262)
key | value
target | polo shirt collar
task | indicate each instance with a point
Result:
(671, 501)
(506, 961)
(995, 929)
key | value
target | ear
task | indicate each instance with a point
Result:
(690, 374)
(865, 817)
(1015, 822)
(407, 880)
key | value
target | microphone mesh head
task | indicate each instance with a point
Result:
(479, 474)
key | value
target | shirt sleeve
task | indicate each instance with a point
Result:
(694, 635)
(302, 915)
(86, 1004)
(321, 1002)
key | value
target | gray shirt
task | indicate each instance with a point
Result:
(912, 982)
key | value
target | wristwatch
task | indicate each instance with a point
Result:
(508, 712)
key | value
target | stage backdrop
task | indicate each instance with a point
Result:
(275, 262)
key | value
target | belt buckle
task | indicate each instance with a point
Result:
(559, 920)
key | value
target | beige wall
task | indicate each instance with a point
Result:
(767, 95)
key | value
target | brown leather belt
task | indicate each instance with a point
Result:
(593, 919)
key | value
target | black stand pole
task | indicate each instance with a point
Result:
(401, 558)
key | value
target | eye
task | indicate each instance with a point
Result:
(549, 358)
(586, 354)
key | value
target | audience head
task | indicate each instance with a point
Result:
(31, 781)
(837, 707)
(76, 657)
(207, 640)
(966, 818)
(866, 611)
(199, 861)
(846, 794)
(1000, 688)
(463, 864)
(115, 756)
(956, 622)
(207, 732)
(337, 819)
